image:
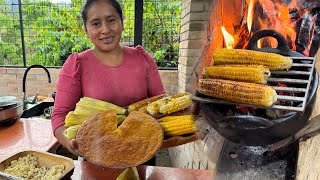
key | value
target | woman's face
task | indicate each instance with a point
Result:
(104, 26)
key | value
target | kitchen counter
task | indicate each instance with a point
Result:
(26, 134)
(36, 134)
(86, 170)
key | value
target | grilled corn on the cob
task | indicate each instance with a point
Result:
(241, 92)
(242, 56)
(137, 105)
(175, 104)
(246, 73)
(178, 125)
(170, 104)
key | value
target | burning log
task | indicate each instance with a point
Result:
(308, 4)
(303, 36)
(316, 36)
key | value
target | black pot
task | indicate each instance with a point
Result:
(256, 130)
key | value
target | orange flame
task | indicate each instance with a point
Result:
(228, 38)
(250, 14)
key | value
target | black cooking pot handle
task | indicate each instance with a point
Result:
(282, 48)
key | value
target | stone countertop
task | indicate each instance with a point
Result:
(26, 134)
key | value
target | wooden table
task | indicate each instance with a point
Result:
(26, 134)
(85, 170)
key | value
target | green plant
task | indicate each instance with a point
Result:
(53, 32)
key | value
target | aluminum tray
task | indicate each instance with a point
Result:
(44, 159)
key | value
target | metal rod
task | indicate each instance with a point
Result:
(138, 22)
(22, 35)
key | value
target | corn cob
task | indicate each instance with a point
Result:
(170, 104)
(245, 73)
(74, 119)
(71, 132)
(99, 105)
(143, 109)
(175, 104)
(241, 56)
(240, 92)
(85, 111)
(137, 105)
(178, 125)
(177, 118)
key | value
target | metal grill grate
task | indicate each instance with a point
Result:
(291, 97)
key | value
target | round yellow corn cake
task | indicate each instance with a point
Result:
(134, 142)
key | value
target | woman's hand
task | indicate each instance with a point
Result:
(73, 147)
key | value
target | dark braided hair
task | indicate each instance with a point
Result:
(88, 3)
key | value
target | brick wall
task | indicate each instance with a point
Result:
(37, 81)
(194, 37)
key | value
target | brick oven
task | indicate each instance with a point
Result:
(206, 25)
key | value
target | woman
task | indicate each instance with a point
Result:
(109, 72)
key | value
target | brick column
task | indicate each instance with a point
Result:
(195, 36)
(193, 39)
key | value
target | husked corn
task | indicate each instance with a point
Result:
(175, 104)
(242, 56)
(178, 125)
(246, 73)
(241, 92)
(137, 105)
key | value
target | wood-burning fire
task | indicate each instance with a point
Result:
(299, 25)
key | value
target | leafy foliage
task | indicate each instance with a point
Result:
(54, 31)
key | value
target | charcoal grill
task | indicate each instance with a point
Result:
(295, 104)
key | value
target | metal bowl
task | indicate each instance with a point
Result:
(11, 114)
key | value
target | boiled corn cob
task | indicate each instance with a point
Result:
(175, 104)
(245, 73)
(177, 118)
(178, 125)
(240, 92)
(242, 56)
(144, 102)
(99, 105)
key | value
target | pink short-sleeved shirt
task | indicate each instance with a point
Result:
(134, 79)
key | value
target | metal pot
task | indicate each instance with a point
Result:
(10, 112)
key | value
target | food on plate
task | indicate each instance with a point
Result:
(27, 167)
(240, 92)
(178, 125)
(137, 105)
(246, 73)
(242, 56)
(134, 142)
(170, 104)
